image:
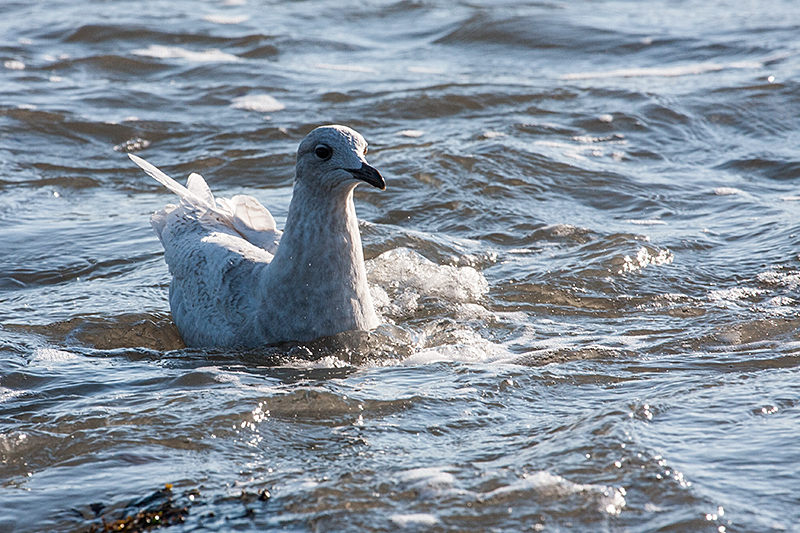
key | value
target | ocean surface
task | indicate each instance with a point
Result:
(586, 260)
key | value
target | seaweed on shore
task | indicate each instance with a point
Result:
(161, 509)
(155, 511)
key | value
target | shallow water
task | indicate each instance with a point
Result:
(586, 258)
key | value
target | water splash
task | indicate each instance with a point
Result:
(400, 277)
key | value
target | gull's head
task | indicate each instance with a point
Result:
(334, 157)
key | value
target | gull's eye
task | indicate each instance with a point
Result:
(323, 152)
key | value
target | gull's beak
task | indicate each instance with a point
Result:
(370, 175)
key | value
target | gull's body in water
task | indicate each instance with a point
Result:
(239, 281)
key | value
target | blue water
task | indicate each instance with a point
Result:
(586, 261)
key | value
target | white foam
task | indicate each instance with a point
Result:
(221, 376)
(176, 52)
(587, 145)
(609, 499)
(403, 304)
(7, 394)
(478, 350)
(411, 133)
(132, 145)
(14, 65)
(344, 68)
(734, 294)
(470, 311)
(263, 103)
(51, 355)
(644, 258)
(790, 280)
(726, 191)
(402, 281)
(779, 302)
(647, 222)
(414, 519)
(663, 72)
(430, 476)
(329, 361)
(226, 19)
(402, 269)
(425, 70)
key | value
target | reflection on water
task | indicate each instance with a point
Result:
(586, 261)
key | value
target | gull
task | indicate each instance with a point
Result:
(237, 281)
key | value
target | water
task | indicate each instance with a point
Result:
(586, 258)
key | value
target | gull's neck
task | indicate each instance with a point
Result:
(319, 264)
(320, 224)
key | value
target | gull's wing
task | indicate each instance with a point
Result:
(217, 251)
(216, 273)
(174, 186)
(243, 214)
(253, 221)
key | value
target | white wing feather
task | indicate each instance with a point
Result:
(198, 186)
(244, 214)
(171, 184)
(253, 221)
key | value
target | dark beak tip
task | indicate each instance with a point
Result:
(369, 175)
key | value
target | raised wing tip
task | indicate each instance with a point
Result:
(199, 195)
(143, 164)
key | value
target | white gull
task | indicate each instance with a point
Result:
(239, 281)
